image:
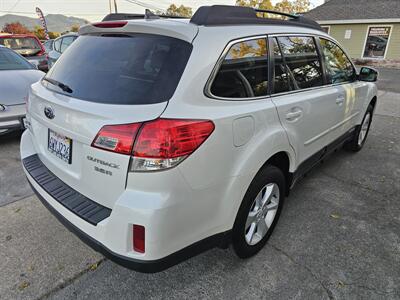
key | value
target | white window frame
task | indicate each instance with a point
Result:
(327, 26)
(387, 45)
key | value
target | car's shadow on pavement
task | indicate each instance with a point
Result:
(13, 184)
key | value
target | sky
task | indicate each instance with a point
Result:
(94, 10)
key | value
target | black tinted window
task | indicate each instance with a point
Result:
(338, 66)
(302, 58)
(282, 79)
(138, 69)
(10, 60)
(244, 71)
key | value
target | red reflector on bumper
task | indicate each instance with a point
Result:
(138, 238)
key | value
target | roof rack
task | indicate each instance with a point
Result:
(147, 15)
(218, 15)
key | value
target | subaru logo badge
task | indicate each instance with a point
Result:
(2, 107)
(49, 112)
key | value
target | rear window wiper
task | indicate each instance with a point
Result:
(61, 85)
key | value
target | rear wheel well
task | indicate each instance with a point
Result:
(373, 102)
(281, 161)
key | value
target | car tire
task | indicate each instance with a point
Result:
(361, 132)
(262, 202)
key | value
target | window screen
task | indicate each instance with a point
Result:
(338, 66)
(301, 56)
(244, 71)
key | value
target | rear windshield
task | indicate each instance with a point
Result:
(10, 60)
(135, 69)
(23, 45)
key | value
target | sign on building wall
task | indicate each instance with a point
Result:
(376, 42)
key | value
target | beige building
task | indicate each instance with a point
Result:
(368, 29)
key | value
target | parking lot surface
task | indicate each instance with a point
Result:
(338, 237)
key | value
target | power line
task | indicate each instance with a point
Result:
(145, 5)
(64, 13)
(15, 4)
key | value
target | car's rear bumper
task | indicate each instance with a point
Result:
(149, 266)
(111, 235)
(12, 118)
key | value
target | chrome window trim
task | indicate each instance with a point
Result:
(207, 88)
(210, 80)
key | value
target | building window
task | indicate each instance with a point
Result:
(376, 41)
(347, 34)
(327, 29)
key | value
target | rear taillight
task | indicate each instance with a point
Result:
(117, 138)
(164, 143)
(158, 145)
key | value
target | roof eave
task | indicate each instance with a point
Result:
(358, 21)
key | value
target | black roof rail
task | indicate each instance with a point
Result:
(218, 15)
(147, 15)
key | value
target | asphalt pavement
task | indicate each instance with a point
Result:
(338, 236)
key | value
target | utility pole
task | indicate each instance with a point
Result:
(109, 6)
(115, 6)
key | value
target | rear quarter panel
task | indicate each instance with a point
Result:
(222, 167)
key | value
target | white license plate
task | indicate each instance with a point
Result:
(60, 145)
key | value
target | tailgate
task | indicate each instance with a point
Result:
(97, 174)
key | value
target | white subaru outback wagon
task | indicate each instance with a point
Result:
(154, 139)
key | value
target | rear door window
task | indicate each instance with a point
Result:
(66, 42)
(57, 45)
(134, 69)
(244, 71)
(338, 66)
(283, 81)
(301, 57)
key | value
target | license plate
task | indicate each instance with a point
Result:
(60, 145)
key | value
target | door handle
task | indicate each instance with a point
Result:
(340, 100)
(294, 115)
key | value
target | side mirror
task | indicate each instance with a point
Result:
(368, 74)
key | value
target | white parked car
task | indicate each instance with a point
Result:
(16, 76)
(155, 139)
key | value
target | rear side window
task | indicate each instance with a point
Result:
(26, 46)
(244, 71)
(338, 66)
(301, 57)
(135, 69)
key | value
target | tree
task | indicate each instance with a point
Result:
(181, 11)
(260, 4)
(39, 32)
(294, 6)
(16, 28)
(74, 28)
(288, 6)
(54, 35)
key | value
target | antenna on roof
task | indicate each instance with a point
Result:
(148, 14)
